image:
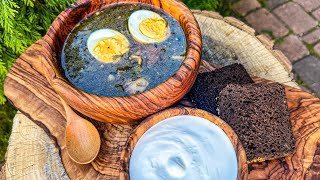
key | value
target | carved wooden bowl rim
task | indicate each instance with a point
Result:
(160, 116)
(125, 109)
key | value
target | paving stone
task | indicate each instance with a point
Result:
(308, 69)
(316, 14)
(293, 48)
(295, 17)
(275, 3)
(308, 5)
(312, 37)
(245, 6)
(262, 20)
(317, 48)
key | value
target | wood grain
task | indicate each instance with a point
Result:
(158, 117)
(125, 109)
(304, 109)
(30, 92)
(33, 148)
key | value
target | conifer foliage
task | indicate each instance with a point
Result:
(22, 22)
(205, 4)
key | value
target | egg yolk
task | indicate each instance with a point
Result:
(110, 50)
(155, 28)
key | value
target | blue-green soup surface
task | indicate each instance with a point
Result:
(159, 60)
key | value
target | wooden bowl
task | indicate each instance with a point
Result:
(156, 118)
(126, 109)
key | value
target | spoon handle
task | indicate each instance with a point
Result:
(70, 114)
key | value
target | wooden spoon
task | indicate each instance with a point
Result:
(82, 138)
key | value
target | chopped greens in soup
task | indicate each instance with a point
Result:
(123, 50)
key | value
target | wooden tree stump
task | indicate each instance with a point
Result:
(38, 157)
(37, 142)
(228, 40)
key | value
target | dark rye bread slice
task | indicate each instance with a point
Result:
(259, 115)
(208, 85)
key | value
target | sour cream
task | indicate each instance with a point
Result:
(183, 147)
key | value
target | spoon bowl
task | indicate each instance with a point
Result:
(82, 138)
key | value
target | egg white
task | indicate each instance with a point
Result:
(100, 34)
(133, 24)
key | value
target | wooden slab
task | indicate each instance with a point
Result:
(47, 112)
(29, 92)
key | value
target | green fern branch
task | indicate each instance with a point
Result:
(21, 24)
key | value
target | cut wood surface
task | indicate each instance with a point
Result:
(228, 40)
(38, 156)
(29, 91)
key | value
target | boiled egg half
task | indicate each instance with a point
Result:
(148, 27)
(107, 45)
